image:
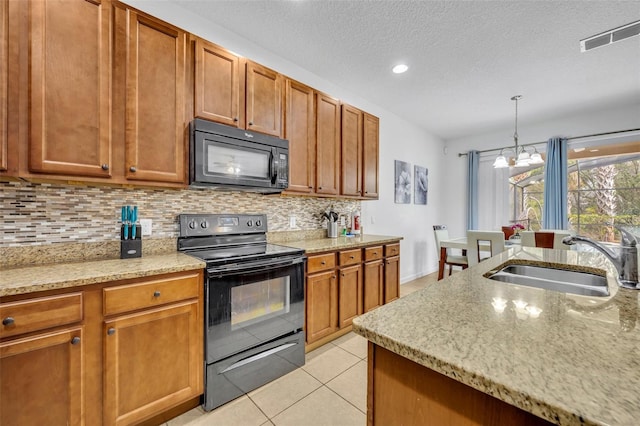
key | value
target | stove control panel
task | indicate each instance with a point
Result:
(201, 225)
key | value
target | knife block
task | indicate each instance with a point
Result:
(131, 248)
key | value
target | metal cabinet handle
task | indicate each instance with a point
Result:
(251, 123)
(342, 274)
(319, 187)
(105, 167)
(75, 340)
(156, 294)
(351, 257)
(8, 321)
(132, 169)
(323, 263)
(111, 331)
(235, 119)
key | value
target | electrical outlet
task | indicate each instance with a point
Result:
(292, 221)
(373, 219)
(146, 225)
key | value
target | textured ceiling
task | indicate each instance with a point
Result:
(466, 58)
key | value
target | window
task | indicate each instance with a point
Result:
(603, 191)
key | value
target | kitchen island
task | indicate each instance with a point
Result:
(470, 350)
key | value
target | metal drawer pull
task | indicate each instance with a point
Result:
(323, 263)
(111, 331)
(352, 257)
(75, 340)
(8, 321)
(105, 167)
(156, 294)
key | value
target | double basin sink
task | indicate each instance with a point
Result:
(562, 280)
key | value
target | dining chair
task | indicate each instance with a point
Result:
(441, 233)
(544, 239)
(508, 231)
(474, 238)
(527, 239)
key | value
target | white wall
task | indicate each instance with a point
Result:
(399, 140)
(621, 118)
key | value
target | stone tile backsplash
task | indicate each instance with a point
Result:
(42, 213)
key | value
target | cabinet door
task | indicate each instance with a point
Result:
(299, 130)
(4, 76)
(373, 280)
(219, 87)
(264, 100)
(351, 151)
(41, 379)
(391, 279)
(153, 361)
(328, 145)
(370, 156)
(156, 132)
(322, 305)
(349, 294)
(70, 87)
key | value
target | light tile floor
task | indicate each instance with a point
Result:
(329, 390)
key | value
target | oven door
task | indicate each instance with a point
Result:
(251, 303)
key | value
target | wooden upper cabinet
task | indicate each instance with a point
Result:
(4, 76)
(299, 130)
(155, 122)
(219, 85)
(370, 157)
(327, 145)
(263, 100)
(70, 92)
(351, 150)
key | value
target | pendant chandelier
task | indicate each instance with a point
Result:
(523, 158)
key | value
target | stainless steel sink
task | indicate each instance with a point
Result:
(582, 283)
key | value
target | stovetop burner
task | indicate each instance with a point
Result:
(223, 238)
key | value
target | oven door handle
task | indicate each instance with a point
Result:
(256, 266)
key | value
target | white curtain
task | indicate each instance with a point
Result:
(493, 195)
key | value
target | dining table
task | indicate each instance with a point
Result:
(462, 244)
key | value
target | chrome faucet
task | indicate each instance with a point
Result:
(626, 262)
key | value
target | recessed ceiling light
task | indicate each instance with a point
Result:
(400, 68)
(594, 150)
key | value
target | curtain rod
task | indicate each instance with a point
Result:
(460, 154)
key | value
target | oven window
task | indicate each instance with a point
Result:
(253, 303)
(238, 162)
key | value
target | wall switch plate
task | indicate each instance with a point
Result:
(373, 219)
(146, 225)
(342, 220)
(292, 221)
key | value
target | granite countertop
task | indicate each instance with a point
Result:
(577, 362)
(29, 279)
(318, 245)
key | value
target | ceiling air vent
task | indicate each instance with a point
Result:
(611, 36)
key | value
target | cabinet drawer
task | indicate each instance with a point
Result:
(321, 262)
(372, 253)
(39, 314)
(392, 249)
(350, 257)
(150, 293)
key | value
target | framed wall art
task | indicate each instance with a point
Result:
(421, 178)
(402, 182)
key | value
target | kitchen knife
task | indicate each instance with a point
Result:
(134, 219)
(125, 222)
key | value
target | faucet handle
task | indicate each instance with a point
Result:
(628, 238)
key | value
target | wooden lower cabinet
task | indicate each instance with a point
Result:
(402, 392)
(349, 294)
(41, 379)
(321, 305)
(341, 285)
(151, 362)
(114, 354)
(373, 284)
(391, 278)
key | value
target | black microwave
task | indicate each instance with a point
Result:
(225, 157)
